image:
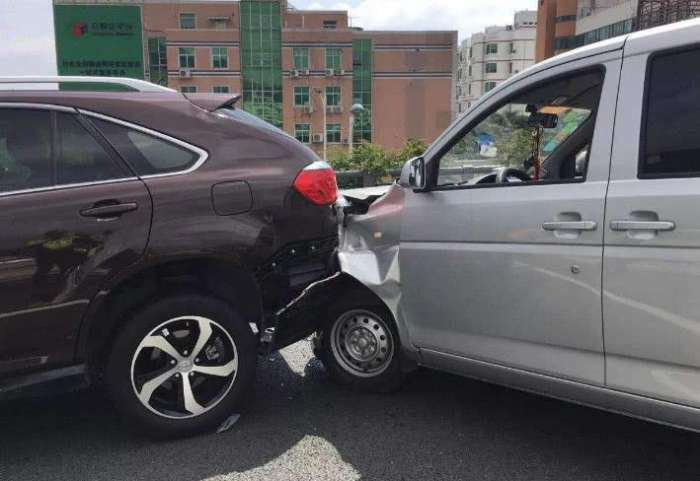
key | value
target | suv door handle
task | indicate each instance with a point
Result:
(648, 225)
(109, 211)
(580, 225)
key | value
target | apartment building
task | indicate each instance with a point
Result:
(301, 70)
(567, 24)
(488, 58)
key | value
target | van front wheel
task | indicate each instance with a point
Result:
(360, 348)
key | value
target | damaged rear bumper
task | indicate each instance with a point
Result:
(367, 258)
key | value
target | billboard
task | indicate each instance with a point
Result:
(100, 40)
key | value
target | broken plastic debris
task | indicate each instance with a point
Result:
(228, 423)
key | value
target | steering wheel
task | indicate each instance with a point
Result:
(505, 172)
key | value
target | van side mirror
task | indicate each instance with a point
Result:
(413, 174)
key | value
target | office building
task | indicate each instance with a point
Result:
(294, 68)
(567, 24)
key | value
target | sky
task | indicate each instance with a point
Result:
(27, 38)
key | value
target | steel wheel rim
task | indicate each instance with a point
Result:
(178, 374)
(362, 343)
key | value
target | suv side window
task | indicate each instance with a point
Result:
(540, 135)
(25, 149)
(670, 145)
(147, 154)
(79, 157)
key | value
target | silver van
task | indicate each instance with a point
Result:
(549, 240)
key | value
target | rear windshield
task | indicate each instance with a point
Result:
(248, 118)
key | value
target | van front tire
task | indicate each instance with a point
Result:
(360, 348)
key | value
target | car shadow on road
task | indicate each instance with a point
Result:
(300, 426)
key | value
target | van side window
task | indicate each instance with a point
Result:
(147, 154)
(540, 135)
(79, 157)
(25, 149)
(670, 145)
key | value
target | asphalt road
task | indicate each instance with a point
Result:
(301, 427)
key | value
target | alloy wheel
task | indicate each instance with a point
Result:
(184, 367)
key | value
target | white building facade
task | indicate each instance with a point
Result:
(490, 57)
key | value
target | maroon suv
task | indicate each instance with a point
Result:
(147, 239)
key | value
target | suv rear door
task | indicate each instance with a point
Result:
(71, 214)
(651, 300)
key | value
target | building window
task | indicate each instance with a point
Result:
(260, 57)
(602, 33)
(221, 89)
(186, 55)
(488, 86)
(470, 52)
(491, 67)
(332, 96)
(566, 18)
(491, 48)
(334, 58)
(302, 132)
(566, 43)
(510, 67)
(219, 56)
(469, 89)
(188, 89)
(470, 70)
(158, 60)
(187, 21)
(459, 74)
(362, 88)
(301, 96)
(301, 58)
(330, 24)
(333, 133)
(512, 48)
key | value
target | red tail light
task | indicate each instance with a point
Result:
(317, 183)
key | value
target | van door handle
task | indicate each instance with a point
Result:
(648, 225)
(580, 225)
(110, 210)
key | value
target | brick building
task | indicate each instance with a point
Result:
(288, 63)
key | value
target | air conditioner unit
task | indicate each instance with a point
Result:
(307, 72)
(330, 72)
(308, 109)
(295, 73)
(334, 109)
(317, 138)
(185, 73)
(341, 72)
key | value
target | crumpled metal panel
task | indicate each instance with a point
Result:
(369, 249)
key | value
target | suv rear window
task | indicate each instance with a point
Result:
(79, 157)
(25, 149)
(671, 139)
(147, 154)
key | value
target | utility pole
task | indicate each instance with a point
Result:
(325, 124)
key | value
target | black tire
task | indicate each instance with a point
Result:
(227, 326)
(389, 379)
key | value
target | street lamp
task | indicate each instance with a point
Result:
(354, 110)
